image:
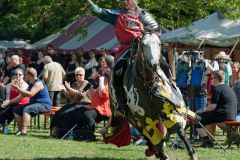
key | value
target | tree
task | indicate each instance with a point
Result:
(35, 19)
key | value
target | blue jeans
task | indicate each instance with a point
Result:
(55, 97)
(238, 117)
(200, 103)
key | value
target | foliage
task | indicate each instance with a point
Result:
(34, 19)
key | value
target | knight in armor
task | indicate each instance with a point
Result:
(129, 21)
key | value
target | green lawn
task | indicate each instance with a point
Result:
(38, 145)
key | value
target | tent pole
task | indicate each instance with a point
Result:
(235, 45)
(171, 60)
(200, 45)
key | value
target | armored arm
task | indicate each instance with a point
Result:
(149, 23)
(94, 7)
(107, 15)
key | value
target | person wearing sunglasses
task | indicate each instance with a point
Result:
(39, 101)
(78, 95)
(6, 110)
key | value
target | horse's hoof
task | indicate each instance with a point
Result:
(150, 152)
(193, 157)
(163, 156)
(166, 158)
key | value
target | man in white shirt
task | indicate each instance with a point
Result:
(53, 75)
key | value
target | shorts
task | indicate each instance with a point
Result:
(32, 109)
(212, 117)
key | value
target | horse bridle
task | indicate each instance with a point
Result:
(140, 48)
(141, 45)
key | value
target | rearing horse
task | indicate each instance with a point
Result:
(153, 102)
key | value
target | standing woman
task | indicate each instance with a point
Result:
(80, 57)
(71, 66)
(39, 64)
(6, 111)
(102, 62)
(6, 70)
(39, 101)
(6, 73)
(235, 71)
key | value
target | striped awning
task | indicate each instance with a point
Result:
(100, 35)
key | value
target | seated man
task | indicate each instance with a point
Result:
(39, 101)
(223, 107)
(99, 109)
(78, 96)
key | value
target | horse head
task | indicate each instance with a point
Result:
(151, 50)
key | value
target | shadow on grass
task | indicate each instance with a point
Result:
(116, 149)
(40, 136)
(84, 158)
(54, 138)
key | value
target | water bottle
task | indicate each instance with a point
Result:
(70, 135)
(5, 127)
(7, 91)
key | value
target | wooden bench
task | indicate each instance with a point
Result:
(233, 133)
(50, 114)
(36, 120)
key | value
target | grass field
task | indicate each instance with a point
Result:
(38, 145)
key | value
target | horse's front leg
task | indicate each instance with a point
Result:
(157, 150)
(191, 151)
(161, 154)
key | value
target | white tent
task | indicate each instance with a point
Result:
(211, 30)
(4, 44)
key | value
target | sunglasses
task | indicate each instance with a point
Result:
(78, 74)
(18, 74)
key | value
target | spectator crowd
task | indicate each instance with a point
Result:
(211, 89)
(33, 83)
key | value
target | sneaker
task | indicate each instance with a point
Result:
(207, 144)
(21, 133)
(197, 142)
(87, 138)
(141, 141)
